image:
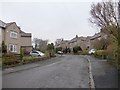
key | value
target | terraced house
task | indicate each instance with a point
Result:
(15, 38)
(83, 42)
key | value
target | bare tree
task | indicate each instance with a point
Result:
(103, 14)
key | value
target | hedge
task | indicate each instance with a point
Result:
(100, 54)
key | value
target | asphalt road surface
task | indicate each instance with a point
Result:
(69, 71)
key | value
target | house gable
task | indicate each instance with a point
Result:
(14, 38)
(13, 27)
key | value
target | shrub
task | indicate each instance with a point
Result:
(66, 50)
(4, 47)
(9, 62)
(100, 53)
(84, 52)
(21, 53)
(9, 55)
(50, 48)
(58, 49)
(76, 49)
(110, 52)
(9, 59)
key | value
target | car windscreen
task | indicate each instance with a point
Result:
(34, 52)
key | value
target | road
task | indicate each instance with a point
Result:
(68, 72)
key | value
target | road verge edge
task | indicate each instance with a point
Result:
(91, 80)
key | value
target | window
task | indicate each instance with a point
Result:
(12, 48)
(13, 34)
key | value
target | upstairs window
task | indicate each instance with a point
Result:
(13, 34)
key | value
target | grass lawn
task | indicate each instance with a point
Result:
(30, 57)
(27, 59)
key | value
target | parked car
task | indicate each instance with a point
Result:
(60, 52)
(36, 53)
(92, 51)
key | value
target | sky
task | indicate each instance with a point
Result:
(50, 20)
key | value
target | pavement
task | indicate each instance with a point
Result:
(104, 74)
(67, 71)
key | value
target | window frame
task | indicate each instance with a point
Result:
(13, 34)
(12, 48)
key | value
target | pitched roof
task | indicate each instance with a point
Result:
(8, 24)
(73, 40)
(23, 34)
(96, 36)
(2, 24)
(77, 38)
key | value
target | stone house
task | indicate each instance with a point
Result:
(40, 44)
(97, 37)
(77, 41)
(15, 38)
(62, 43)
(83, 42)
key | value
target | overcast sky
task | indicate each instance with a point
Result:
(50, 20)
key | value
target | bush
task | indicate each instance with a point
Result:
(100, 53)
(4, 47)
(67, 50)
(21, 53)
(58, 49)
(9, 62)
(110, 52)
(84, 52)
(9, 55)
(76, 49)
(28, 59)
(9, 59)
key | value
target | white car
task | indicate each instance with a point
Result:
(60, 52)
(36, 53)
(92, 51)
